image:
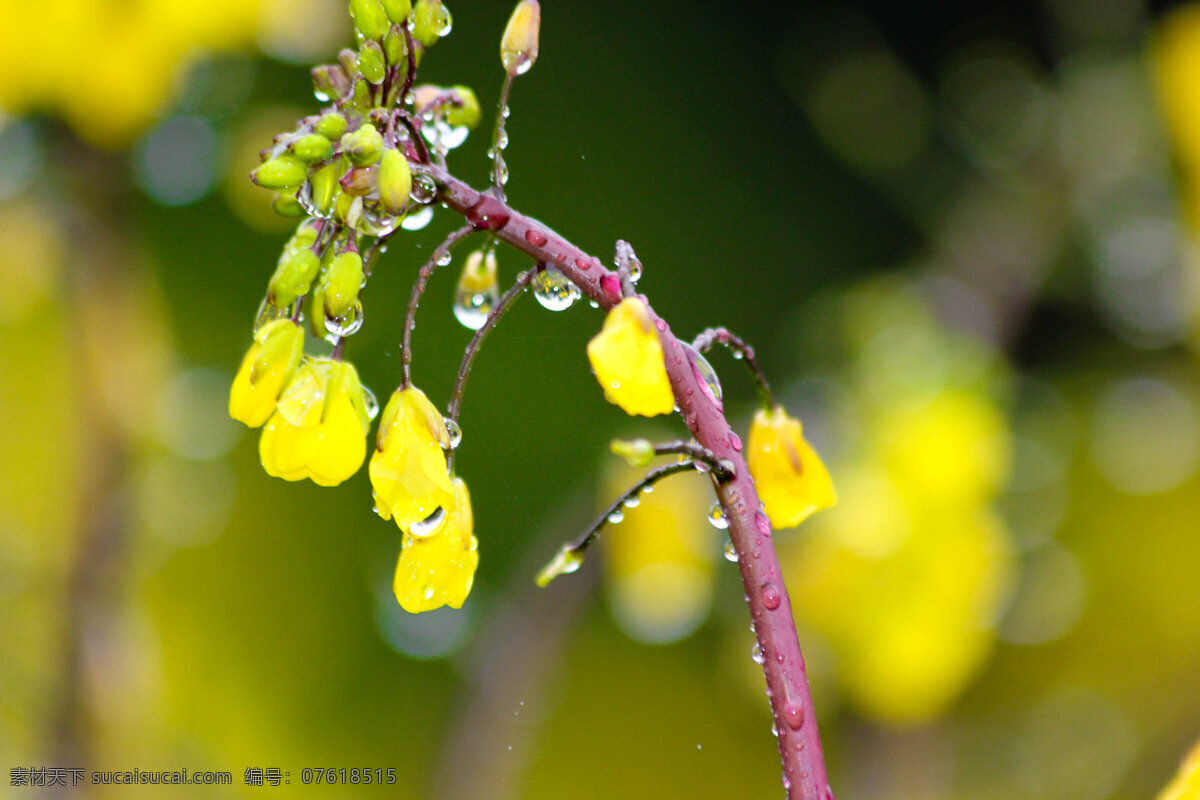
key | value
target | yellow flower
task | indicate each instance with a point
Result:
(319, 430)
(1186, 785)
(627, 358)
(792, 480)
(437, 564)
(265, 370)
(408, 468)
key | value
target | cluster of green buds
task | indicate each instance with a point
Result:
(354, 174)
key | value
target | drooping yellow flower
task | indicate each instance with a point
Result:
(408, 468)
(265, 371)
(1186, 784)
(319, 429)
(627, 358)
(792, 480)
(437, 564)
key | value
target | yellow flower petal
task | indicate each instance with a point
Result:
(265, 371)
(439, 569)
(627, 358)
(332, 446)
(408, 468)
(791, 478)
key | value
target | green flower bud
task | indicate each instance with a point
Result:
(370, 62)
(347, 208)
(431, 21)
(281, 172)
(519, 45)
(330, 82)
(395, 181)
(397, 10)
(286, 205)
(638, 452)
(364, 146)
(316, 316)
(331, 126)
(324, 184)
(305, 236)
(340, 283)
(360, 97)
(348, 60)
(369, 17)
(468, 113)
(395, 46)
(293, 275)
(311, 148)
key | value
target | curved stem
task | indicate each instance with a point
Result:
(410, 316)
(738, 346)
(749, 529)
(464, 368)
(698, 454)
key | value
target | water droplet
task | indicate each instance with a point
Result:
(793, 714)
(716, 516)
(423, 190)
(633, 501)
(661, 324)
(705, 374)
(756, 655)
(647, 490)
(774, 730)
(443, 258)
(593, 303)
(635, 269)
(535, 237)
(731, 553)
(429, 525)
(770, 596)
(339, 327)
(735, 442)
(502, 139)
(267, 313)
(763, 522)
(305, 198)
(616, 515)
(455, 432)
(564, 562)
(417, 220)
(553, 290)
(583, 264)
(370, 403)
(428, 591)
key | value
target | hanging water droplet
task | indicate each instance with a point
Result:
(593, 303)
(370, 403)
(423, 189)
(737, 354)
(429, 525)
(716, 516)
(565, 561)
(635, 269)
(454, 431)
(553, 290)
(267, 313)
(616, 515)
(417, 220)
(731, 553)
(472, 308)
(502, 173)
(305, 198)
(756, 655)
(477, 293)
(339, 327)
(704, 372)
(648, 489)
(443, 258)
(633, 501)
(502, 139)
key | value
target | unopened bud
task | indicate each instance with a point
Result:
(395, 47)
(323, 185)
(638, 452)
(358, 181)
(286, 205)
(519, 45)
(364, 146)
(330, 82)
(281, 172)
(395, 181)
(348, 59)
(340, 283)
(370, 62)
(369, 17)
(431, 21)
(311, 148)
(331, 126)
(293, 275)
(359, 100)
(397, 10)
(466, 111)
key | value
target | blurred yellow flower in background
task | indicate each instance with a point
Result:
(791, 478)
(1186, 783)
(408, 469)
(439, 557)
(627, 358)
(319, 429)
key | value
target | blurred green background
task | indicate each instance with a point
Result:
(963, 242)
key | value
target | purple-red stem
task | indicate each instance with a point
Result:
(749, 529)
